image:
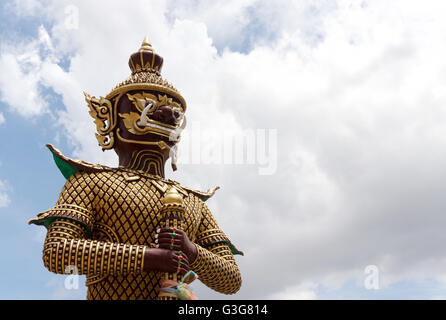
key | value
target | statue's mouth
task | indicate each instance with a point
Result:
(164, 118)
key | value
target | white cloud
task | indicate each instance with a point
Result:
(305, 291)
(224, 19)
(2, 118)
(20, 85)
(27, 7)
(356, 96)
(74, 290)
(4, 197)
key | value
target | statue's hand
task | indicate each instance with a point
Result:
(165, 261)
(181, 242)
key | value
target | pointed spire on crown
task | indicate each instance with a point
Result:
(145, 59)
(146, 46)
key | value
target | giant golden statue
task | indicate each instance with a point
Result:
(128, 229)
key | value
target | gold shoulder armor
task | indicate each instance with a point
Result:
(68, 166)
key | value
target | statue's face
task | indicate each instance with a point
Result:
(142, 112)
(145, 116)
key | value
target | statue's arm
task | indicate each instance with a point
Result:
(215, 263)
(217, 269)
(66, 245)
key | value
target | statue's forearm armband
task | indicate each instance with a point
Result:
(66, 246)
(217, 268)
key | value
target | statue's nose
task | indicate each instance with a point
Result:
(166, 114)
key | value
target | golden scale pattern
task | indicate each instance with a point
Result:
(121, 210)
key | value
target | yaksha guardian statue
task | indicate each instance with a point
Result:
(133, 233)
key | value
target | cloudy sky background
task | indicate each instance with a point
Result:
(354, 91)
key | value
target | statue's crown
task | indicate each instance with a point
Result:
(146, 67)
(145, 59)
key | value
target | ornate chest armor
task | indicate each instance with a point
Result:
(104, 220)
